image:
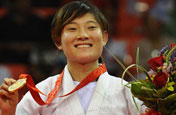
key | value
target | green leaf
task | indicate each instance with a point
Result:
(161, 93)
(166, 103)
(138, 89)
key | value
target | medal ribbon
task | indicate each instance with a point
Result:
(35, 91)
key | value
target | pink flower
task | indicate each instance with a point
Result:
(151, 72)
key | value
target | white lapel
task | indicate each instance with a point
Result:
(98, 96)
(73, 100)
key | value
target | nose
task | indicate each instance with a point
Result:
(82, 35)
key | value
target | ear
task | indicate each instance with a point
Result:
(58, 44)
(105, 37)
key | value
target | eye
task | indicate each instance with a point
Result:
(92, 27)
(71, 29)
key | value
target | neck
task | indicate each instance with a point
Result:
(79, 71)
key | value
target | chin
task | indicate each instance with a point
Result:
(87, 60)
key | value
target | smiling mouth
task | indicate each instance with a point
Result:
(83, 45)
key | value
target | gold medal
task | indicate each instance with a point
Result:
(17, 85)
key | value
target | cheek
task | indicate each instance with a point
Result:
(99, 46)
(99, 36)
(99, 39)
(65, 38)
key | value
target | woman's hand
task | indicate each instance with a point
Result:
(8, 101)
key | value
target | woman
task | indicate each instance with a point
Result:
(81, 31)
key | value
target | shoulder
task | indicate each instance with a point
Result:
(112, 81)
(111, 78)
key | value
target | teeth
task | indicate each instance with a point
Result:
(83, 46)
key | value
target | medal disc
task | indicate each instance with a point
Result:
(17, 85)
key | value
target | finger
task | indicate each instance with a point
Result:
(4, 86)
(4, 93)
(9, 81)
(6, 83)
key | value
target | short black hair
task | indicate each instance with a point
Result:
(72, 10)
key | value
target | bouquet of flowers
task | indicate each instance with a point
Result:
(158, 90)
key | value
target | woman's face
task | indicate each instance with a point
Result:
(82, 40)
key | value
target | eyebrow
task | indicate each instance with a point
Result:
(86, 22)
(92, 22)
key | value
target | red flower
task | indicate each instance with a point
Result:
(151, 112)
(173, 45)
(156, 62)
(160, 79)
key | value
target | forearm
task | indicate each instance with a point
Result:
(8, 112)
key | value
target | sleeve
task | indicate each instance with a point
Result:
(27, 106)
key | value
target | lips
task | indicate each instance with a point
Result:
(87, 45)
